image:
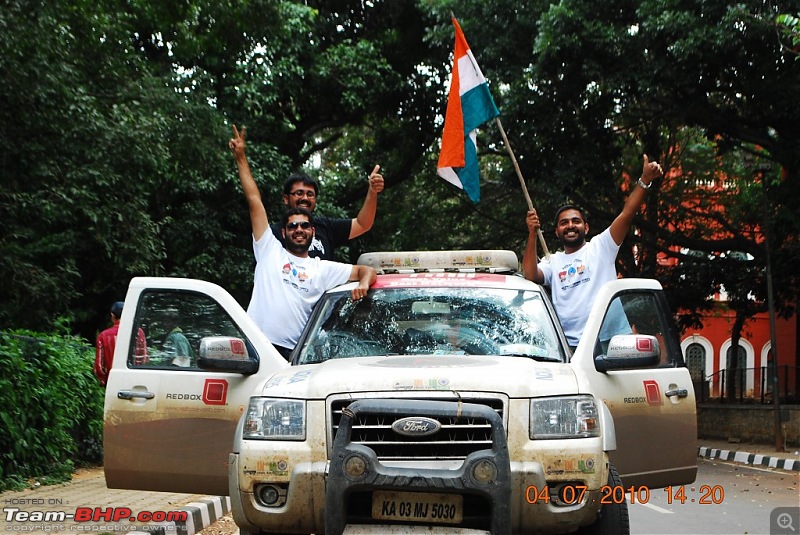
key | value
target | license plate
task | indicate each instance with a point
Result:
(418, 507)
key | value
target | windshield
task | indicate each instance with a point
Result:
(438, 321)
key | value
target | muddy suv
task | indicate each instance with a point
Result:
(447, 398)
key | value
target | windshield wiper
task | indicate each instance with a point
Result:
(537, 358)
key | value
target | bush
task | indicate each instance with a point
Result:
(52, 416)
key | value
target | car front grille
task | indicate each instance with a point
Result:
(457, 438)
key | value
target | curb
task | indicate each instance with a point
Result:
(744, 457)
(200, 515)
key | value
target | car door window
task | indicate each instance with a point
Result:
(171, 325)
(641, 313)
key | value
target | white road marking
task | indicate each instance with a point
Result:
(656, 508)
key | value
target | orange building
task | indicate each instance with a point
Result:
(709, 358)
(708, 350)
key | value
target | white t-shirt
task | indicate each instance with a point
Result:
(575, 278)
(286, 288)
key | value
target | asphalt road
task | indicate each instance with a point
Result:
(726, 499)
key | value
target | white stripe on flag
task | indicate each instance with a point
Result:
(469, 75)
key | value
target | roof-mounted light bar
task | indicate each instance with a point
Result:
(489, 261)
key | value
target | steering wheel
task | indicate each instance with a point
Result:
(467, 339)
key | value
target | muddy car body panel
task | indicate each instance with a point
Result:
(448, 397)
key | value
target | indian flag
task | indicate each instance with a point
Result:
(469, 105)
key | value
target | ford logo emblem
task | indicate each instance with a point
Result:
(416, 426)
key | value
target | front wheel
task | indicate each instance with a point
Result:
(613, 518)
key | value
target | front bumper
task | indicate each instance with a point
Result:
(376, 476)
(320, 492)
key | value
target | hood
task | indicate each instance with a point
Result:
(516, 377)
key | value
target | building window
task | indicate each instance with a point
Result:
(770, 371)
(737, 372)
(696, 361)
(741, 360)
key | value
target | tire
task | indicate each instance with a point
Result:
(613, 518)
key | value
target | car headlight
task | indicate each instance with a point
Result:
(567, 417)
(275, 419)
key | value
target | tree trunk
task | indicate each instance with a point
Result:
(735, 380)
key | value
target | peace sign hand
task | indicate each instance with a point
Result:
(236, 144)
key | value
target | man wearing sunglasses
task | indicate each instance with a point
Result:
(300, 190)
(287, 281)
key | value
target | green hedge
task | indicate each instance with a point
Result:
(51, 407)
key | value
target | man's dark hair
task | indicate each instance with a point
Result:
(296, 211)
(116, 309)
(566, 207)
(299, 177)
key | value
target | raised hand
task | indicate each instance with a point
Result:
(237, 143)
(376, 180)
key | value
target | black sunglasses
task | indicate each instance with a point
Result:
(305, 225)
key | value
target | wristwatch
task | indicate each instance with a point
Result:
(643, 185)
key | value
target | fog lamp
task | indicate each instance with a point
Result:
(268, 495)
(484, 471)
(355, 466)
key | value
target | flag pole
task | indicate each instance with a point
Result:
(522, 183)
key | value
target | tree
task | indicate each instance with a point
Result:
(124, 169)
(696, 84)
(70, 134)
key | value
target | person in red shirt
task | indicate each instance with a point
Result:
(107, 342)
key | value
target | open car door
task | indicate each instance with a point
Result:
(169, 423)
(630, 356)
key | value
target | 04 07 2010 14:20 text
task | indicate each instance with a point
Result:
(610, 494)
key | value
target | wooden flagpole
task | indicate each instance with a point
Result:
(522, 183)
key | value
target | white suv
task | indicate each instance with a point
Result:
(446, 400)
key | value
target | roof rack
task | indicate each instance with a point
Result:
(482, 260)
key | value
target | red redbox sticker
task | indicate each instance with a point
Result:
(215, 392)
(237, 347)
(652, 392)
(644, 344)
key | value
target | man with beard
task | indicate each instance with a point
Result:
(300, 190)
(576, 274)
(287, 281)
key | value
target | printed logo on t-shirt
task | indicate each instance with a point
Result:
(573, 274)
(316, 245)
(296, 276)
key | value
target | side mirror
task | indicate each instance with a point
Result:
(226, 354)
(629, 351)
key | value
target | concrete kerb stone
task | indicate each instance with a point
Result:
(754, 459)
(201, 514)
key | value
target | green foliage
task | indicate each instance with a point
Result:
(789, 26)
(52, 416)
(697, 85)
(108, 160)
